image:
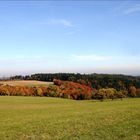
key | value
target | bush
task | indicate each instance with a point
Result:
(39, 91)
(120, 94)
(76, 91)
(132, 91)
(138, 92)
(108, 93)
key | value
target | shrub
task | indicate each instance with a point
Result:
(66, 89)
(138, 92)
(108, 93)
(39, 91)
(132, 91)
(120, 94)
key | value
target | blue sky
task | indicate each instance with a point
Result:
(68, 36)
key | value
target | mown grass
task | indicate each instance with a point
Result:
(44, 118)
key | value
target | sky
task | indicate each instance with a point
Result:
(69, 36)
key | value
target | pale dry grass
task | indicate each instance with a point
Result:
(25, 83)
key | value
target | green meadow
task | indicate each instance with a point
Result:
(45, 118)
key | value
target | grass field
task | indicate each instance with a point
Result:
(44, 118)
(25, 83)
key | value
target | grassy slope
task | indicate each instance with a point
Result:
(39, 118)
(25, 83)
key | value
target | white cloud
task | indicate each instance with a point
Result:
(63, 22)
(127, 8)
(133, 9)
(89, 57)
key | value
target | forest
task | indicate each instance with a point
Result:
(97, 81)
(77, 86)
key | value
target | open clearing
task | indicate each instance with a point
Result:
(44, 118)
(25, 83)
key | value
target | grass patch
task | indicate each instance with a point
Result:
(38, 118)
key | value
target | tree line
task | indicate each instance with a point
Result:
(96, 81)
(70, 90)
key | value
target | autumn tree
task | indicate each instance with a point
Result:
(132, 91)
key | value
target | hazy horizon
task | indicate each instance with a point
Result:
(68, 36)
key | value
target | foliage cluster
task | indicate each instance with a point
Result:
(73, 90)
(70, 90)
(22, 90)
